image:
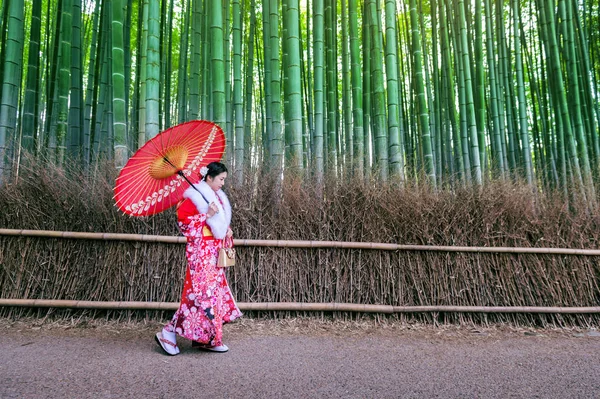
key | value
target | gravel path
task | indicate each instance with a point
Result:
(299, 359)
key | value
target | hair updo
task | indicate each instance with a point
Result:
(214, 170)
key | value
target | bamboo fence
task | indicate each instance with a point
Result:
(340, 248)
(298, 306)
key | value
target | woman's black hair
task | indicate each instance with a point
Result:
(215, 169)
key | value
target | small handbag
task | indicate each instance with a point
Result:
(226, 254)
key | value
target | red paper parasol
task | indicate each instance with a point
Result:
(156, 176)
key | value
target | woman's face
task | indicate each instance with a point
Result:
(217, 182)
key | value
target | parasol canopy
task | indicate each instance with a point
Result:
(156, 176)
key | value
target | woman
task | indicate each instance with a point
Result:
(206, 301)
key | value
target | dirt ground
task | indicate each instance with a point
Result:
(298, 358)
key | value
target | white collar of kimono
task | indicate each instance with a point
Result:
(219, 223)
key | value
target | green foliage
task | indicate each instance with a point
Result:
(513, 91)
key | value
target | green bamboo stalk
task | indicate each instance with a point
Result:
(92, 86)
(462, 102)
(411, 148)
(268, 102)
(402, 118)
(436, 104)
(470, 111)
(591, 71)
(307, 87)
(230, 133)
(162, 56)
(378, 95)
(196, 26)
(285, 83)
(479, 89)
(357, 90)
(294, 98)
(276, 139)
(11, 81)
(262, 140)
(366, 90)
(128, 10)
(118, 83)
(504, 88)
(4, 18)
(448, 166)
(142, 111)
(249, 79)
(50, 96)
(331, 87)
(31, 100)
(153, 70)
(133, 106)
(64, 80)
(206, 103)
(237, 91)
(94, 99)
(449, 94)
(105, 133)
(319, 56)
(182, 68)
(590, 112)
(346, 92)
(428, 89)
(217, 62)
(495, 133)
(169, 66)
(74, 133)
(423, 112)
(523, 123)
(396, 157)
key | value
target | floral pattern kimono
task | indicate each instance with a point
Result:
(206, 301)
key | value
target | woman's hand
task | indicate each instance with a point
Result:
(212, 210)
(229, 232)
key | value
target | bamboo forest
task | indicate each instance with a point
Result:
(435, 92)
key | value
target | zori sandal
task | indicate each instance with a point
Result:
(221, 348)
(168, 346)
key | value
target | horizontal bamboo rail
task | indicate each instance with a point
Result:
(299, 307)
(299, 244)
(92, 236)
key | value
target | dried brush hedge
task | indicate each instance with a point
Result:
(499, 214)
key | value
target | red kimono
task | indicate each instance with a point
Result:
(206, 301)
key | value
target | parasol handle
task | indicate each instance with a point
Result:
(180, 173)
